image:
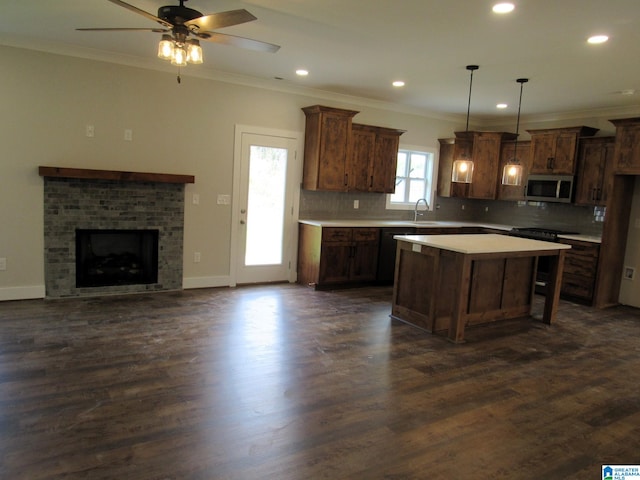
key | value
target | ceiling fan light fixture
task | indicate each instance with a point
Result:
(179, 58)
(165, 47)
(194, 52)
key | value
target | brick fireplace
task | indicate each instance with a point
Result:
(77, 201)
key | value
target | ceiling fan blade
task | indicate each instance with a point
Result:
(239, 42)
(219, 20)
(156, 30)
(142, 12)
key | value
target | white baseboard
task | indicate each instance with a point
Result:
(22, 293)
(206, 282)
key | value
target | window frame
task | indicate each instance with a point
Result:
(431, 192)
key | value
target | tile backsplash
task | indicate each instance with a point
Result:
(340, 206)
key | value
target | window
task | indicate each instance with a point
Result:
(414, 178)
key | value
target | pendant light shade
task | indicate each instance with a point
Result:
(462, 171)
(512, 171)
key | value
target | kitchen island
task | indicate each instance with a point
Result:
(444, 283)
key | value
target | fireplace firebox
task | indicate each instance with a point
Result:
(116, 257)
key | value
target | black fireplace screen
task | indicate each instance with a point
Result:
(116, 257)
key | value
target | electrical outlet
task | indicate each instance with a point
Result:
(196, 199)
(128, 135)
(3, 264)
(196, 257)
(224, 199)
(356, 204)
(89, 131)
(629, 273)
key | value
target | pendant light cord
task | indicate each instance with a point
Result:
(471, 68)
(521, 81)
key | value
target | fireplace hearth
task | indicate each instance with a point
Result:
(116, 257)
(111, 232)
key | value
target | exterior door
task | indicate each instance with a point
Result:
(264, 217)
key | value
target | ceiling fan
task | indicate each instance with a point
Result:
(181, 23)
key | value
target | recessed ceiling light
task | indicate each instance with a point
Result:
(398, 83)
(502, 106)
(597, 39)
(301, 72)
(504, 7)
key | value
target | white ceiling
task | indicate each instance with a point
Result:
(358, 47)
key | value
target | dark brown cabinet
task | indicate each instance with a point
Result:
(327, 148)
(374, 156)
(627, 149)
(342, 156)
(554, 151)
(337, 255)
(594, 170)
(522, 154)
(481, 147)
(580, 270)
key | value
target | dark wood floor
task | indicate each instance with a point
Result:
(283, 382)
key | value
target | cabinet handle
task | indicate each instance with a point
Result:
(550, 163)
(371, 182)
(346, 179)
(599, 194)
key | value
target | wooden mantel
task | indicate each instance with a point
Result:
(62, 172)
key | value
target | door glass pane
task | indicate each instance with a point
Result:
(265, 205)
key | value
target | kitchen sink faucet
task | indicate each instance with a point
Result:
(416, 213)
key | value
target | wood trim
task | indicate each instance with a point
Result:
(84, 173)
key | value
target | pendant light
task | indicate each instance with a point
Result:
(512, 171)
(463, 167)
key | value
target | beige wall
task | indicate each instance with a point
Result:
(48, 100)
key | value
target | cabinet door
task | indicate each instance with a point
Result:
(542, 152)
(364, 261)
(385, 160)
(363, 146)
(564, 160)
(627, 157)
(486, 156)
(595, 165)
(335, 262)
(333, 152)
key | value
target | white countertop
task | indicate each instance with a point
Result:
(481, 243)
(431, 224)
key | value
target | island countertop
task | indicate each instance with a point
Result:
(481, 243)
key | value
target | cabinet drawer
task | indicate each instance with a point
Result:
(577, 286)
(580, 265)
(365, 234)
(336, 234)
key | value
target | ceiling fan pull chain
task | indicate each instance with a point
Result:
(179, 79)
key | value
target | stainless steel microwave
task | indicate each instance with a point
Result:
(550, 188)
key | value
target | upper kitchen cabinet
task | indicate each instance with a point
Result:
(554, 150)
(327, 148)
(522, 155)
(374, 156)
(626, 158)
(595, 167)
(483, 148)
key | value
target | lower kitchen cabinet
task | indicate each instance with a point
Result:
(580, 269)
(337, 255)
